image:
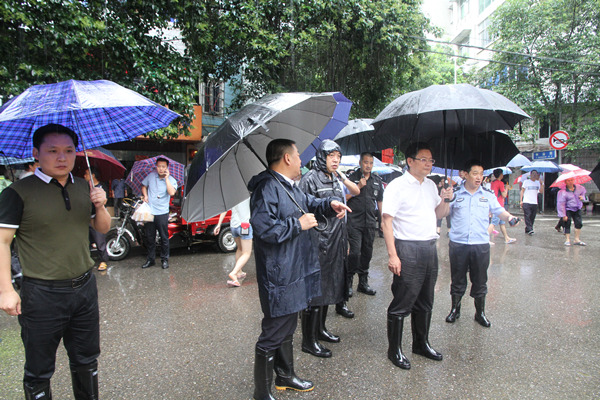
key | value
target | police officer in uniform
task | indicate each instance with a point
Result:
(362, 222)
(469, 240)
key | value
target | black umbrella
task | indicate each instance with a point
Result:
(491, 148)
(444, 111)
(596, 175)
(357, 137)
(447, 111)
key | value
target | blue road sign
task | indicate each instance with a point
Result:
(544, 155)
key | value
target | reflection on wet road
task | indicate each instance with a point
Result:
(182, 333)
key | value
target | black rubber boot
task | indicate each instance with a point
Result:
(39, 391)
(395, 326)
(310, 327)
(343, 310)
(263, 374)
(363, 285)
(455, 312)
(420, 323)
(323, 333)
(480, 312)
(85, 381)
(350, 283)
(284, 368)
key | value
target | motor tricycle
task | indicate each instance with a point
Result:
(128, 232)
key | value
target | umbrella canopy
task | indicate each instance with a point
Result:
(569, 167)
(542, 166)
(235, 152)
(491, 148)
(100, 112)
(579, 177)
(518, 161)
(595, 175)
(453, 173)
(353, 161)
(357, 137)
(14, 160)
(505, 171)
(142, 168)
(108, 166)
(444, 111)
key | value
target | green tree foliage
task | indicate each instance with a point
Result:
(363, 48)
(360, 47)
(558, 78)
(437, 68)
(47, 41)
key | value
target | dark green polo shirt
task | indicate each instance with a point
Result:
(52, 241)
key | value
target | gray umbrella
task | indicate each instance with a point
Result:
(235, 152)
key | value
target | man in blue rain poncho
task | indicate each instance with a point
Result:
(287, 265)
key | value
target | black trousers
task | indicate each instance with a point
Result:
(100, 240)
(576, 217)
(160, 224)
(50, 314)
(413, 290)
(274, 330)
(473, 259)
(360, 240)
(529, 211)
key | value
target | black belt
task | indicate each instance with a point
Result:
(430, 242)
(72, 283)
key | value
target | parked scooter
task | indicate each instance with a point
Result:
(128, 232)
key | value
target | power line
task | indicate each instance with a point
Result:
(508, 52)
(509, 63)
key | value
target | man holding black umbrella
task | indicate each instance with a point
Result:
(411, 207)
(287, 263)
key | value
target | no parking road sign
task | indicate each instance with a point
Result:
(559, 140)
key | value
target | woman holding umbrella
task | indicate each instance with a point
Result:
(325, 181)
(568, 205)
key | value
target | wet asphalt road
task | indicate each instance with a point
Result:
(182, 334)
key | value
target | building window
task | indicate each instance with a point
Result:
(212, 97)
(463, 9)
(483, 30)
(483, 4)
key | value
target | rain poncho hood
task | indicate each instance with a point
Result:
(327, 147)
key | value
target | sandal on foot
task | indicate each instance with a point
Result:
(567, 243)
(241, 275)
(580, 243)
(231, 283)
(102, 266)
(511, 240)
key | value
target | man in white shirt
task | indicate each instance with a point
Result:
(411, 207)
(529, 199)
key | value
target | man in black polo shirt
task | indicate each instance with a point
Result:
(50, 212)
(362, 222)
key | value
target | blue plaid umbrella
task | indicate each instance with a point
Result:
(100, 112)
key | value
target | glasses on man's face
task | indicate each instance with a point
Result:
(425, 160)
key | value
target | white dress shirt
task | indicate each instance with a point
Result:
(412, 204)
